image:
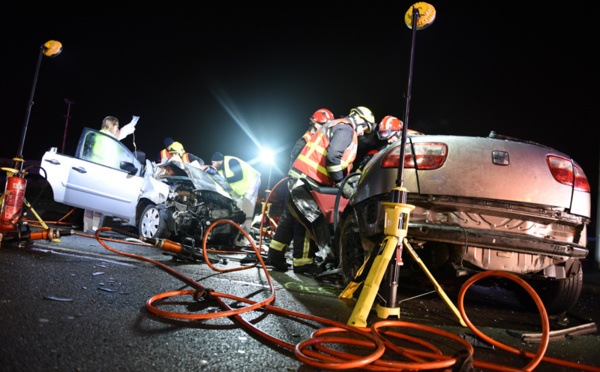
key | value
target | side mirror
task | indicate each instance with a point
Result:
(129, 167)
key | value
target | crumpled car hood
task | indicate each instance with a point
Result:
(199, 178)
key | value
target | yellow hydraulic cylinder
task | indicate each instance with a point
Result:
(395, 229)
(394, 234)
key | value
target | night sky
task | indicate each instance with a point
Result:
(232, 78)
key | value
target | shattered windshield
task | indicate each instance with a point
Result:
(200, 179)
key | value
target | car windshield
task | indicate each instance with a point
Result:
(200, 179)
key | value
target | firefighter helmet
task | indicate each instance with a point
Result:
(176, 148)
(365, 114)
(389, 126)
(321, 116)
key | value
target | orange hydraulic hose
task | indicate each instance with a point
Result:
(59, 222)
(324, 357)
(537, 357)
(377, 338)
(330, 359)
(538, 302)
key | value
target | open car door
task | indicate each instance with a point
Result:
(104, 176)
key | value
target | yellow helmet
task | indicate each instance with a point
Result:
(176, 148)
(365, 114)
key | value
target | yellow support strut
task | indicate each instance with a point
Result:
(395, 234)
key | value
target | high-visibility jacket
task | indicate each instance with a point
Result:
(306, 136)
(298, 146)
(312, 159)
(164, 155)
(105, 149)
(248, 177)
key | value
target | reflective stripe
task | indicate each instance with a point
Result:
(312, 159)
(278, 246)
(164, 154)
(302, 261)
(334, 168)
(305, 259)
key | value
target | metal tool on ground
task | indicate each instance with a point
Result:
(19, 236)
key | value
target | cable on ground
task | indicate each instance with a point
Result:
(377, 338)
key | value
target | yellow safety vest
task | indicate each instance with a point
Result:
(249, 174)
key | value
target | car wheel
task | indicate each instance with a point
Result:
(151, 224)
(351, 253)
(558, 295)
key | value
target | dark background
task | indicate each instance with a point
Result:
(234, 78)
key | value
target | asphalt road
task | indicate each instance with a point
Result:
(75, 306)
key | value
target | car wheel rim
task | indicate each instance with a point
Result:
(150, 222)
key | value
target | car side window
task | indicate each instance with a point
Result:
(103, 149)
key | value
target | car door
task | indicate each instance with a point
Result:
(96, 180)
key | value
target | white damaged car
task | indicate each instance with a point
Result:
(171, 200)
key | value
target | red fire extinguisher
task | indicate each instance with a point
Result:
(12, 203)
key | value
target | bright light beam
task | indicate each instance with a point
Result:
(225, 101)
(229, 106)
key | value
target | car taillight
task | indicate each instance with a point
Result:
(565, 172)
(428, 155)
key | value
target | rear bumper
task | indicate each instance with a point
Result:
(488, 224)
(500, 241)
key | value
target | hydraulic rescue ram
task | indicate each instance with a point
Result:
(46, 234)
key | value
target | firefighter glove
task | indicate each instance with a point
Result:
(347, 191)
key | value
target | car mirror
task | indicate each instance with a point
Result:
(129, 167)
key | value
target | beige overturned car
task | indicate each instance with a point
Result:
(482, 203)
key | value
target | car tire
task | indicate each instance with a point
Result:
(151, 224)
(350, 251)
(558, 295)
(561, 295)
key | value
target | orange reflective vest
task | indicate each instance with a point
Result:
(164, 155)
(312, 159)
(307, 136)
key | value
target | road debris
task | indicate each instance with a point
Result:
(59, 299)
(562, 333)
(476, 341)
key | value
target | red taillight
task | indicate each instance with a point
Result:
(581, 181)
(428, 155)
(566, 173)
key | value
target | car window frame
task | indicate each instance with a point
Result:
(84, 152)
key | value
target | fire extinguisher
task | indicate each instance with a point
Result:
(12, 203)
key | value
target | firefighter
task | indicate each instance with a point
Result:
(316, 121)
(244, 180)
(288, 228)
(388, 131)
(174, 151)
(324, 161)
